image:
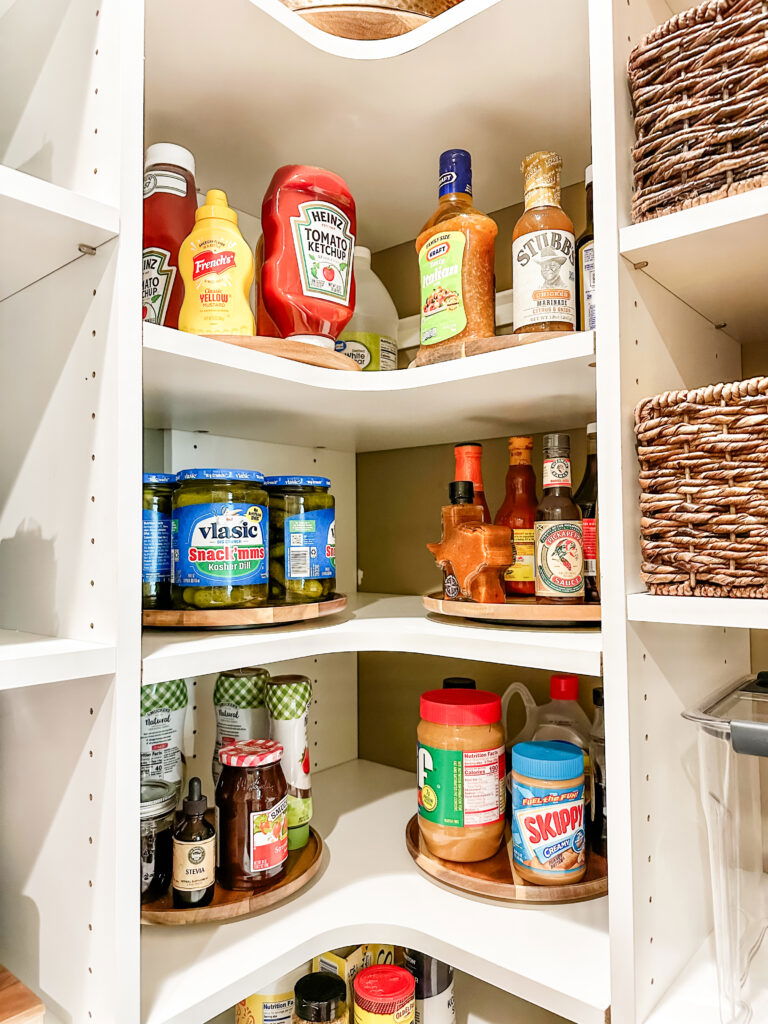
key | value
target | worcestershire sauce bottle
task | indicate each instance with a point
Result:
(194, 852)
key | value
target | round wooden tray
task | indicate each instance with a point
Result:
(302, 867)
(497, 879)
(361, 22)
(298, 351)
(241, 618)
(519, 612)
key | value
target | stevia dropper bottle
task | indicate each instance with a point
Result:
(194, 852)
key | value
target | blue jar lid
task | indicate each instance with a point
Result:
(550, 760)
(249, 475)
(455, 172)
(159, 478)
(297, 481)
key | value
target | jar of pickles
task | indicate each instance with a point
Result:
(302, 540)
(219, 539)
(156, 540)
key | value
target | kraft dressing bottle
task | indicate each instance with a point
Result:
(216, 266)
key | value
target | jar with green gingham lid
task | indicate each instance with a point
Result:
(238, 702)
(163, 710)
(288, 700)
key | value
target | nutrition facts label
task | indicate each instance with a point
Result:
(483, 781)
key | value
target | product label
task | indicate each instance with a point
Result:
(438, 1009)
(589, 531)
(269, 837)
(451, 589)
(167, 182)
(277, 1009)
(559, 559)
(194, 864)
(544, 278)
(158, 275)
(548, 828)
(587, 284)
(209, 262)
(442, 303)
(310, 545)
(156, 546)
(370, 351)
(522, 569)
(324, 244)
(163, 709)
(402, 1015)
(219, 545)
(461, 788)
(234, 725)
(557, 473)
(288, 708)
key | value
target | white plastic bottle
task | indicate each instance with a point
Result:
(370, 337)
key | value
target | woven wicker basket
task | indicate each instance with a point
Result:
(699, 87)
(704, 490)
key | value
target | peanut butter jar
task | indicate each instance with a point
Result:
(461, 774)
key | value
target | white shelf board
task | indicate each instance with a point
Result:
(556, 957)
(373, 622)
(193, 383)
(27, 659)
(42, 225)
(713, 257)
(738, 612)
(316, 107)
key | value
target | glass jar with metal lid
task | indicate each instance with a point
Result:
(219, 539)
(156, 540)
(302, 566)
(158, 810)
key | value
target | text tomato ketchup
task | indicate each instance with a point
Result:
(309, 223)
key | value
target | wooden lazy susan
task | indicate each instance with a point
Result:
(497, 879)
(522, 612)
(241, 618)
(298, 351)
(302, 867)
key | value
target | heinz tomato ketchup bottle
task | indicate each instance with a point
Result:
(309, 222)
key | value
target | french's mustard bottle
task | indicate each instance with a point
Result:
(216, 266)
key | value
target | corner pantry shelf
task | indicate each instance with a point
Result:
(732, 612)
(193, 383)
(27, 659)
(370, 888)
(42, 225)
(680, 248)
(375, 622)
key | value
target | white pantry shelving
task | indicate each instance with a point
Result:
(736, 613)
(193, 383)
(27, 659)
(369, 886)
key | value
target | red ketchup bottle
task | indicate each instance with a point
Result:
(170, 202)
(307, 286)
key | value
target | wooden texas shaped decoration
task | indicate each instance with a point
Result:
(475, 553)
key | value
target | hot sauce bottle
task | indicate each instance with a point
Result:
(543, 253)
(456, 260)
(469, 466)
(307, 286)
(518, 512)
(557, 531)
(586, 499)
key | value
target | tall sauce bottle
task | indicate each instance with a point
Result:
(586, 499)
(462, 509)
(518, 512)
(586, 315)
(469, 466)
(543, 252)
(557, 531)
(170, 202)
(456, 261)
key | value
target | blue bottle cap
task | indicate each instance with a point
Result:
(550, 760)
(159, 478)
(455, 172)
(249, 475)
(297, 481)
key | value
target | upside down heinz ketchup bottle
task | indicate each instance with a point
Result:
(309, 222)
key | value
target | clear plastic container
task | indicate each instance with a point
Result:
(733, 754)
(370, 337)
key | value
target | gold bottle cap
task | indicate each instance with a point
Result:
(541, 176)
(520, 443)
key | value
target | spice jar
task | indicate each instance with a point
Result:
(252, 801)
(156, 540)
(548, 838)
(461, 773)
(158, 806)
(219, 537)
(320, 998)
(384, 994)
(302, 539)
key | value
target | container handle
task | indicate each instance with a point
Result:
(750, 738)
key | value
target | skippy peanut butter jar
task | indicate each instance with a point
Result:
(461, 774)
(548, 838)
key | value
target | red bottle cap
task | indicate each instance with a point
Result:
(460, 707)
(383, 988)
(564, 687)
(251, 754)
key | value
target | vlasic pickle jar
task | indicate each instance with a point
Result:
(156, 540)
(219, 539)
(302, 539)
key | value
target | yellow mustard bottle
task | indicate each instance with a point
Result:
(216, 266)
